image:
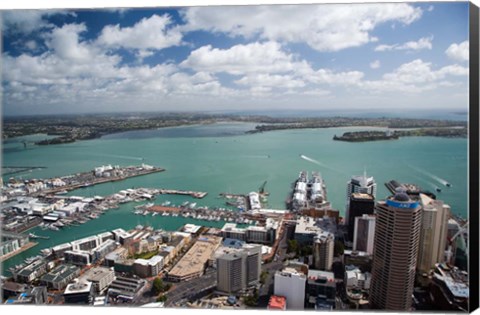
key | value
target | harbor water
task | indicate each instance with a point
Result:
(221, 158)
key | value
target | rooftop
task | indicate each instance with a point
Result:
(60, 273)
(96, 274)
(315, 275)
(362, 196)
(455, 279)
(308, 225)
(194, 260)
(78, 287)
(277, 302)
(191, 228)
(152, 261)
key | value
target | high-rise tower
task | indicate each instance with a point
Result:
(397, 235)
(433, 236)
(359, 184)
(323, 246)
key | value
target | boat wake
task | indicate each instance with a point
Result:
(306, 158)
(438, 179)
(257, 156)
(126, 157)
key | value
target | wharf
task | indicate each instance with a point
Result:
(163, 209)
(195, 194)
(18, 251)
(100, 180)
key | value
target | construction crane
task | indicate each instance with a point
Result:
(261, 190)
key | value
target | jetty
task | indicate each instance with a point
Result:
(87, 179)
(195, 194)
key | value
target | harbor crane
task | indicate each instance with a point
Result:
(261, 190)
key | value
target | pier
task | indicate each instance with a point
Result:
(87, 179)
(195, 194)
(18, 251)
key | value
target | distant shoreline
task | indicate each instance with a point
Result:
(71, 129)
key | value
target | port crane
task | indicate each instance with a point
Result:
(261, 190)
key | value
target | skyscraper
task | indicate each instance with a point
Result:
(364, 233)
(433, 235)
(397, 235)
(359, 184)
(323, 245)
(290, 283)
(360, 204)
(238, 269)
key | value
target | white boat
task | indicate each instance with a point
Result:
(166, 203)
(192, 205)
(185, 204)
(154, 214)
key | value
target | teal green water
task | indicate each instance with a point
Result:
(220, 158)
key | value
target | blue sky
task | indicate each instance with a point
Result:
(385, 56)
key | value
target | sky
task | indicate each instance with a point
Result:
(372, 56)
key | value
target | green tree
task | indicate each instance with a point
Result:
(158, 286)
(292, 246)
(162, 298)
(251, 300)
(263, 277)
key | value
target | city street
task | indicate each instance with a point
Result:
(267, 289)
(184, 290)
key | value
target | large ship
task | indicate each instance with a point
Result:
(308, 192)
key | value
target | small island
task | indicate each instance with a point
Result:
(362, 136)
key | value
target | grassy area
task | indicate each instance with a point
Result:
(146, 255)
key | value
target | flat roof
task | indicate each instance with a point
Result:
(191, 228)
(80, 287)
(96, 274)
(194, 260)
(308, 225)
(320, 274)
(362, 196)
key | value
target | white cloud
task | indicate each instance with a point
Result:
(415, 76)
(76, 72)
(323, 27)
(375, 64)
(317, 92)
(65, 43)
(458, 52)
(31, 45)
(329, 77)
(240, 59)
(149, 33)
(422, 43)
(272, 81)
(27, 21)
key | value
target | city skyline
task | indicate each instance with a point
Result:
(242, 57)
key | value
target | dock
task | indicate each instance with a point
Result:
(92, 180)
(18, 251)
(195, 194)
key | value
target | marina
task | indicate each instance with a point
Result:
(217, 175)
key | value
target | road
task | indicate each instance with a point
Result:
(267, 288)
(186, 289)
